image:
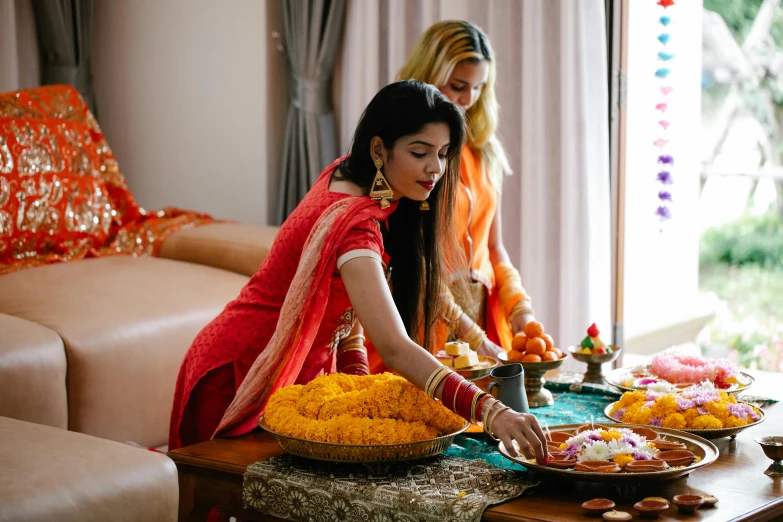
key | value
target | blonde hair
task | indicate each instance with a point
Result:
(443, 46)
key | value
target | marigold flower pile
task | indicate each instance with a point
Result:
(354, 409)
(619, 445)
(681, 368)
(695, 408)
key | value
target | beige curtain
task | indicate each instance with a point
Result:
(19, 63)
(552, 70)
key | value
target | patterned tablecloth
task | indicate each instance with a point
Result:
(437, 489)
(458, 485)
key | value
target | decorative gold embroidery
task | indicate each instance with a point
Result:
(5, 191)
(343, 330)
(6, 226)
(6, 159)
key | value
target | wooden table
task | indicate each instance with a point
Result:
(210, 474)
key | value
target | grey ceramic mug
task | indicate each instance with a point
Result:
(509, 380)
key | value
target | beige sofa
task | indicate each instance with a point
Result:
(94, 347)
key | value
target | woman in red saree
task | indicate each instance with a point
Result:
(328, 268)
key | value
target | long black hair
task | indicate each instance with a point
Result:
(420, 243)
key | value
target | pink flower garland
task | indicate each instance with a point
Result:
(680, 368)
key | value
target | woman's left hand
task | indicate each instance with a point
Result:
(519, 322)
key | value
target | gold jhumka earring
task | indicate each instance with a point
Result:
(381, 190)
(424, 205)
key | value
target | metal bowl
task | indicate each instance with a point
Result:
(706, 450)
(480, 370)
(718, 433)
(334, 452)
(619, 376)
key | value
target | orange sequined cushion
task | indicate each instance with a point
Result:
(61, 192)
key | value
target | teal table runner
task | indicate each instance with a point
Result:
(574, 403)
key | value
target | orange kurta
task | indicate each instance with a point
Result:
(477, 204)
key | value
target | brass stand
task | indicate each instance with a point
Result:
(537, 395)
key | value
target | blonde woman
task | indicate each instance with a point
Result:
(456, 57)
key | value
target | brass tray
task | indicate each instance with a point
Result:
(618, 376)
(695, 444)
(717, 433)
(477, 371)
(359, 453)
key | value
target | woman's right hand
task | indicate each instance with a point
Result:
(488, 348)
(524, 429)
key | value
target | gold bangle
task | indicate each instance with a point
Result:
(356, 364)
(487, 410)
(353, 348)
(351, 338)
(522, 307)
(474, 337)
(473, 405)
(452, 312)
(491, 419)
(434, 380)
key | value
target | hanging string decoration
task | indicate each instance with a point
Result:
(665, 161)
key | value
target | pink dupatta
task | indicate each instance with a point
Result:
(279, 364)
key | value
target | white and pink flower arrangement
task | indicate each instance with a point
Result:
(619, 445)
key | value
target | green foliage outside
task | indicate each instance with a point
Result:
(742, 263)
(752, 240)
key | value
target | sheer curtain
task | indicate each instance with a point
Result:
(19, 62)
(552, 69)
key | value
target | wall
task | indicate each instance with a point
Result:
(661, 261)
(192, 97)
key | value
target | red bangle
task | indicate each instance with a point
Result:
(449, 388)
(480, 406)
(467, 400)
(352, 359)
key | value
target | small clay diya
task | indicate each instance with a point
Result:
(648, 433)
(665, 445)
(597, 466)
(553, 447)
(617, 515)
(598, 505)
(657, 499)
(676, 457)
(651, 508)
(558, 436)
(688, 503)
(561, 463)
(645, 466)
(709, 500)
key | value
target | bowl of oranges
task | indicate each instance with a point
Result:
(536, 351)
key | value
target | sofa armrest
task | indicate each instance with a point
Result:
(53, 474)
(236, 247)
(32, 373)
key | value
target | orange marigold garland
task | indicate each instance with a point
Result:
(353, 409)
